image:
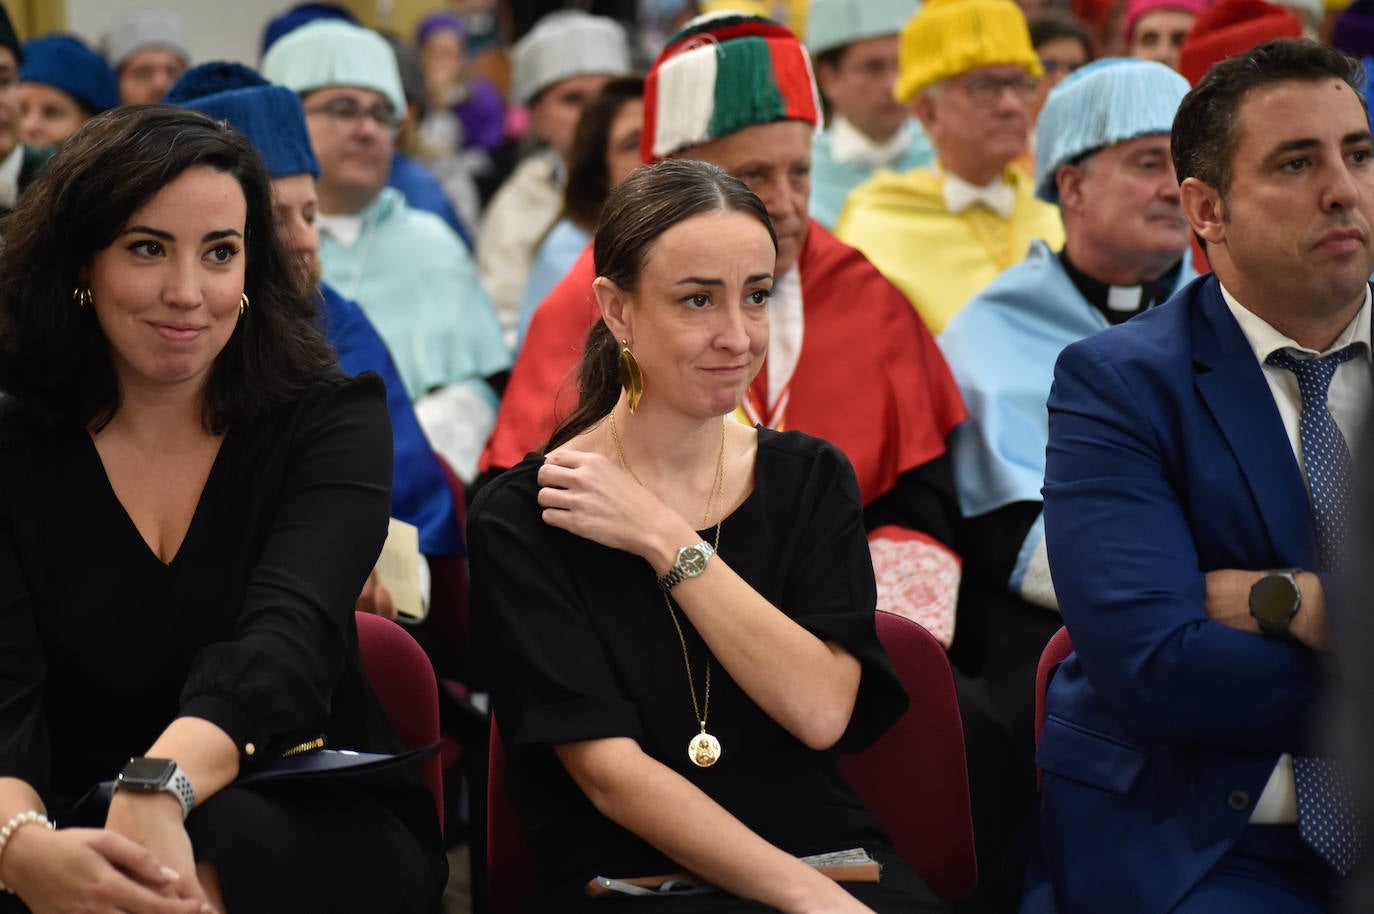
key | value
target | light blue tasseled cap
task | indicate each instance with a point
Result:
(331, 52)
(1106, 102)
(832, 24)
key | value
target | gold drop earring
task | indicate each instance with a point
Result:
(631, 378)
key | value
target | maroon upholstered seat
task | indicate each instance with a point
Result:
(1059, 648)
(508, 839)
(1055, 653)
(403, 679)
(915, 777)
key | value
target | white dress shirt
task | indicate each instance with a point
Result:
(850, 146)
(1348, 399)
(785, 331)
(997, 195)
(9, 176)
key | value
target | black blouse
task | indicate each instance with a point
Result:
(250, 626)
(581, 647)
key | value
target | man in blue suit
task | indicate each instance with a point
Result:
(1194, 504)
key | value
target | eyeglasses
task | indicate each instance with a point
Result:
(986, 90)
(345, 111)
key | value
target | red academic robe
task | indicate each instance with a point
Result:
(869, 378)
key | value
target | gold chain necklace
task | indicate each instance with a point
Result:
(703, 749)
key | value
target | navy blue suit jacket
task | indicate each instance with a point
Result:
(1167, 459)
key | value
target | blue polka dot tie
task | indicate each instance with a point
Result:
(1326, 811)
(1325, 455)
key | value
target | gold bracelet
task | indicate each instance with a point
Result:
(32, 817)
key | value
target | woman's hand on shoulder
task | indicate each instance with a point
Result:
(588, 494)
(93, 871)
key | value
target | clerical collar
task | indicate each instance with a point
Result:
(1119, 304)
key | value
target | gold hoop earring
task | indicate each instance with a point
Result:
(81, 295)
(631, 378)
(243, 304)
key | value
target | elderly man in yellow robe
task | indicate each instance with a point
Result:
(968, 71)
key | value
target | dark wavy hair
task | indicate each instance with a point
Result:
(589, 180)
(652, 200)
(53, 355)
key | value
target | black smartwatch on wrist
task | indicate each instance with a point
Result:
(158, 775)
(1274, 600)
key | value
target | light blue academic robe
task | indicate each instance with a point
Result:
(559, 250)
(420, 493)
(418, 286)
(1001, 348)
(423, 191)
(832, 180)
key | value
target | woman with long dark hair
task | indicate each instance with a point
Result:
(191, 495)
(679, 608)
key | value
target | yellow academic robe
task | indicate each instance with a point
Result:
(938, 258)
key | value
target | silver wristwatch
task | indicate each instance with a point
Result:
(691, 561)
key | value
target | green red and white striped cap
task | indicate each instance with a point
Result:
(720, 73)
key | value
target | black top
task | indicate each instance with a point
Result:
(582, 647)
(250, 626)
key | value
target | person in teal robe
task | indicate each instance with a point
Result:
(854, 46)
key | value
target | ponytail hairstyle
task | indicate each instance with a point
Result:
(652, 200)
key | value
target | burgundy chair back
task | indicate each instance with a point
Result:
(1059, 648)
(508, 839)
(915, 777)
(403, 679)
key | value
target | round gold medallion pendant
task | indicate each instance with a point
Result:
(704, 750)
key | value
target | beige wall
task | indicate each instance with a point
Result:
(217, 29)
(34, 17)
(399, 16)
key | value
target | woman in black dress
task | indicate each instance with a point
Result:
(191, 495)
(678, 608)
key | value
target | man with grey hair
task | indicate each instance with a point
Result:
(968, 71)
(1103, 137)
(1104, 160)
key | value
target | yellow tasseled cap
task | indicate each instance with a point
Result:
(949, 37)
(749, 7)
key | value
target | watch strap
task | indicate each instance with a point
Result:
(180, 787)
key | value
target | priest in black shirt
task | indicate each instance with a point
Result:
(1103, 157)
